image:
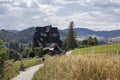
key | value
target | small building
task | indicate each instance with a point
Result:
(46, 37)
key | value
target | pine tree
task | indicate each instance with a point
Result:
(65, 44)
(70, 38)
(95, 41)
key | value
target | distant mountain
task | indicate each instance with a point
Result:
(88, 32)
(108, 34)
(62, 33)
(7, 36)
(25, 36)
(13, 31)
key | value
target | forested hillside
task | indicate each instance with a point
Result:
(26, 35)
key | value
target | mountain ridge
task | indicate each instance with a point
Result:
(85, 31)
(25, 36)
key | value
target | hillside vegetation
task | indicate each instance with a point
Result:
(105, 66)
(11, 68)
(25, 36)
(103, 49)
(81, 67)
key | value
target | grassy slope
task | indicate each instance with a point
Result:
(12, 68)
(103, 49)
(83, 67)
(80, 67)
(27, 63)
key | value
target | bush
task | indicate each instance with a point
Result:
(8, 71)
(89, 42)
(11, 68)
(26, 52)
(38, 51)
(3, 57)
(13, 54)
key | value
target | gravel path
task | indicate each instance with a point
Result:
(68, 53)
(28, 73)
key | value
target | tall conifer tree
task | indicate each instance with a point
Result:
(70, 38)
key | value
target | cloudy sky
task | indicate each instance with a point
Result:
(91, 14)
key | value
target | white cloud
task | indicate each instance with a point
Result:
(23, 3)
(36, 17)
(48, 9)
(92, 14)
(70, 1)
(91, 20)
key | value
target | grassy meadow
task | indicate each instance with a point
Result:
(105, 66)
(81, 67)
(102, 49)
(28, 63)
(12, 68)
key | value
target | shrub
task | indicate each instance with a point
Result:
(13, 54)
(38, 51)
(3, 57)
(26, 52)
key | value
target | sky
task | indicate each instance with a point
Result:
(92, 14)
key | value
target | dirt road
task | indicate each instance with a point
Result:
(68, 53)
(28, 73)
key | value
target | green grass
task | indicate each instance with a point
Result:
(27, 63)
(12, 68)
(103, 49)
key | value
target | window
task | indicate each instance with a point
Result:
(55, 35)
(43, 34)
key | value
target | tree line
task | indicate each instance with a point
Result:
(89, 42)
(70, 42)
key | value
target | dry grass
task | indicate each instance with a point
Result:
(81, 67)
